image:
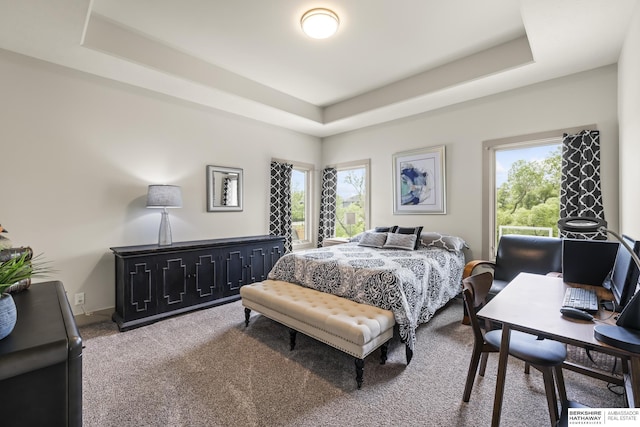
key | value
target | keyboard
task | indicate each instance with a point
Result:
(583, 299)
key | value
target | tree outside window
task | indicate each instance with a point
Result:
(300, 227)
(351, 202)
(528, 200)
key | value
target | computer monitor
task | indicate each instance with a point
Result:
(630, 316)
(588, 262)
(626, 332)
(624, 275)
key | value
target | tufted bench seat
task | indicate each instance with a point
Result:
(356, 329)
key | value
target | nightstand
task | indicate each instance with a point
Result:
(334, 241)
(41, 361)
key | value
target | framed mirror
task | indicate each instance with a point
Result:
(224, 189)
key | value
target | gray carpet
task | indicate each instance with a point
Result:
(206, 369)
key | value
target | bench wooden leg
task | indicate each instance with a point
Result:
(247, 314)
(292, 338)
(409, 353)
(384, 348)
(359, 371)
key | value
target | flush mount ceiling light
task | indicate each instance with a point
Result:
(319, 23)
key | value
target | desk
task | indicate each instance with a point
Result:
(531, 303)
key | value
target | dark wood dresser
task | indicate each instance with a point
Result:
(41, 361)
(154, 282)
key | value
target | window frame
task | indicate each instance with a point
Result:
(308, 242)
(359, 164)
(489, 197)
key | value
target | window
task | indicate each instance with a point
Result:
(352, 198)
(300, 204)
(524, 188)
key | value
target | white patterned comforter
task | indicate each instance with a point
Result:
(412, 284)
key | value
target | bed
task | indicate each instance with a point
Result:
(413, 281)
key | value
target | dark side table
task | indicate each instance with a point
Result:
(41, 361)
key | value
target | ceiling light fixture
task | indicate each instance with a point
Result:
(319, 23)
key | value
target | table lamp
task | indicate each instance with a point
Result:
(350, 220)
(164, 196)
(625, 333)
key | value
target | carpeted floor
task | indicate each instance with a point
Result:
(206, 369)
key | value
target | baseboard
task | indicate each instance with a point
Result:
(93, 317)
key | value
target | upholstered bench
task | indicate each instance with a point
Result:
(356, 329)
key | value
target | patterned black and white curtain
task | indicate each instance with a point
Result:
(580, 191)
(327, 220)
(280, 203)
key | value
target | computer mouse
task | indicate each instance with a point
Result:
(575, 313)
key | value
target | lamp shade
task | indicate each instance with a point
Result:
(350, 218)
(164, 196)
(582, 224)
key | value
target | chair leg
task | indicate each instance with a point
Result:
(465, 316)
(550, 390)
(526, 368)
(562, 391)
(483, 363)
(471, 375)
(625, 365)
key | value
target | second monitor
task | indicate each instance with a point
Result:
(624, 277)
(587, 262)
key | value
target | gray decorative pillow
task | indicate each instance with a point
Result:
(373, 239)
(391, 229)
(444, 241)
(411, 230)
(357, 237)
(400, 241)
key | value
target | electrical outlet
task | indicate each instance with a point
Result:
(79, 298)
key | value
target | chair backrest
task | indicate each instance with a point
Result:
(527, 254)
(475, 291)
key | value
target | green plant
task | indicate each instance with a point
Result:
(20, 268)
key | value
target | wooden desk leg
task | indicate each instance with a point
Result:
(502, 373)
(633, 389)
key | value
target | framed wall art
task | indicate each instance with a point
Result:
(419, 181)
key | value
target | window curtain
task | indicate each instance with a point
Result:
(280, 204)
(327, 220)
(580, 191)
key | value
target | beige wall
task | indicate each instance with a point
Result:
(629, 116)
(77, 153)
(568, 102)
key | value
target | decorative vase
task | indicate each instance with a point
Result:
(8, 315)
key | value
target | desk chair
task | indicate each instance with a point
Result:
(518, 254)
(544, 355)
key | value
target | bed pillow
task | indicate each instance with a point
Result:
(400, 241)
(391, 229)
(373, 239)
(411, 230)
(444, 241)
(357, 237)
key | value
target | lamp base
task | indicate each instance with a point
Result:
(164, 235)
(617, 336)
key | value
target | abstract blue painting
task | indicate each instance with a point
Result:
(419, 181)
